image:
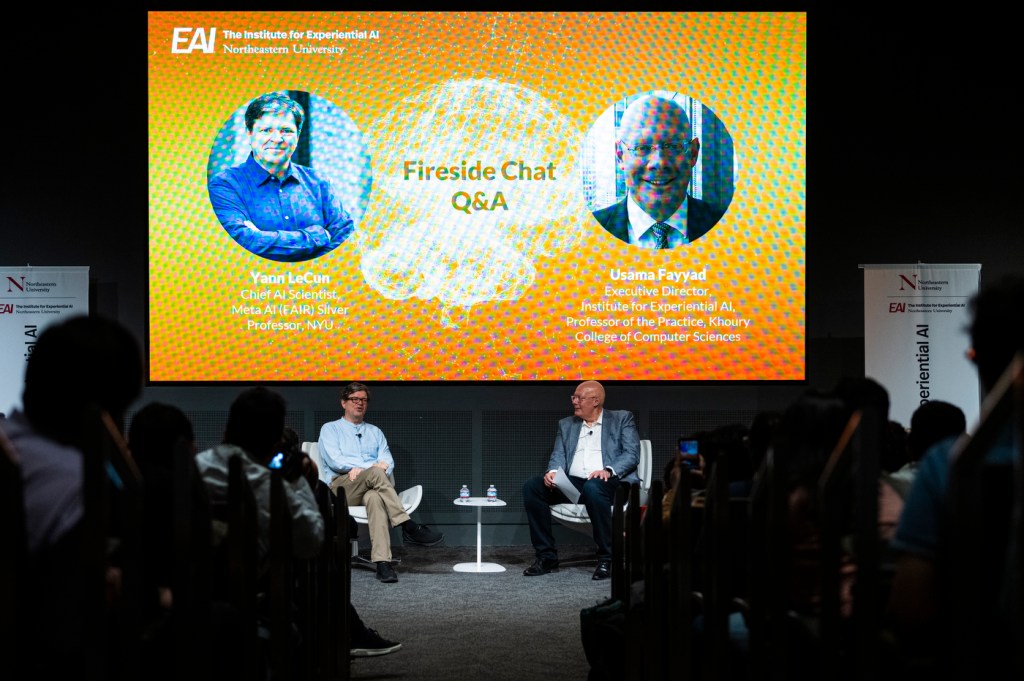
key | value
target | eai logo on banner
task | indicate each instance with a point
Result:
(195, 39)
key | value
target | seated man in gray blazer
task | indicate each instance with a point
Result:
(656, 153)
(598, 449)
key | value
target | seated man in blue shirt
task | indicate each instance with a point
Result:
(275, 208)
(357, 456)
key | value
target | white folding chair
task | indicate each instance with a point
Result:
(411, 499)
(575, 516)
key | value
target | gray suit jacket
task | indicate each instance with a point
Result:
(620, 443)
(701, 216)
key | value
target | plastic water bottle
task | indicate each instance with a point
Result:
(492, 493)
(464, 493)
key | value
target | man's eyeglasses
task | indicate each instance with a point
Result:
(580, 398)
(358, 400)
(668, 148)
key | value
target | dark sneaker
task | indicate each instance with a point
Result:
(386, 573)
(372, 644)
(422, 535)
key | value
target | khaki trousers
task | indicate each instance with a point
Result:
(384, 510)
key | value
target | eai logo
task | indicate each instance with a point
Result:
(912, 283)
(186, 40)
(6, 308)
(11, 281)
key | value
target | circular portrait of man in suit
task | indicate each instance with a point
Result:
(663, 171)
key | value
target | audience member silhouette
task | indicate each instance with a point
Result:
(158, 433)
(759, 440)
(894, 454)
(862, 391)
(77, 367)
(727, 451)
(153, 437)
(807, 435)
(917, 602)
(930, 423)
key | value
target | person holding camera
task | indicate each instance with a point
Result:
(293, 462)
(254, 431)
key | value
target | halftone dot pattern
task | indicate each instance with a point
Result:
(510, 303)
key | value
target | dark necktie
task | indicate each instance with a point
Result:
(661, 233)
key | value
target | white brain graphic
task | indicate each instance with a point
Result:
(414, 243)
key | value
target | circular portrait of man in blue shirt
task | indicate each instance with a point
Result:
(289, 176)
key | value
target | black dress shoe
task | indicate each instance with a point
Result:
(541, 566)
(386, 573)
(421, 535)
(603, 570)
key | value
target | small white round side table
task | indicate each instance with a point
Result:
(480, 503)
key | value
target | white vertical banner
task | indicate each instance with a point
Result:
(32, 298)
(915, 335)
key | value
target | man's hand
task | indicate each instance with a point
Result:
(603, 474)
(549, 479)
(354, 473)
(383, 465)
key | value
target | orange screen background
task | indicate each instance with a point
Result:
(748, 68)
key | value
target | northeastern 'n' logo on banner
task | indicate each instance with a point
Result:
(910, 281)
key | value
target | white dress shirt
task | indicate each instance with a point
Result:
(587, 458)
